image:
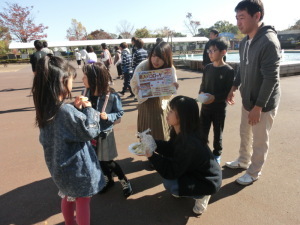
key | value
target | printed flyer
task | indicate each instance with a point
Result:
(156, 83)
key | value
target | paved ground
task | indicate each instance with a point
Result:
(28, 195)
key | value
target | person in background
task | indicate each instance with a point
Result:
(35, 57)
(213, 34)
(91, 55)
(117, 62)
(140, 54)
(78, 58)
(216, 83)
(134, 48)
(65, 134)
(46, 49)
(83, 53)
(258, 79)
(106, 59)
(158, 40)
(126, 69)
(185, 162)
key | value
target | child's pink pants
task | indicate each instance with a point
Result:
(82, 206)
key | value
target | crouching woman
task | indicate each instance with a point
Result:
(185, 162)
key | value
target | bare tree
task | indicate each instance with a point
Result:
(125, 29)
(191, 24)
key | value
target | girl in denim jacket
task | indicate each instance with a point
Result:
(96, 80)
(65, 131)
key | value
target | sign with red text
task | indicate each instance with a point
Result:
(156, 83)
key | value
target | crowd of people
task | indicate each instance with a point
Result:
(78, 137)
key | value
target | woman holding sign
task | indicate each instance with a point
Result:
(152, 110)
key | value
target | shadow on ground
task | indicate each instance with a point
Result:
(189, 78)
(29, 204)
(37, 201)
(229, 189)
(13, 89)
(18, 110)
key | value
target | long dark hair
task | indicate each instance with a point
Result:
(188, 114)
(162, 50)
(98, 78)
(49, 84)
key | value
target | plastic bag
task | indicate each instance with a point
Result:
(147, 141)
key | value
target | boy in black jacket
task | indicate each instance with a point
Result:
(216, 83)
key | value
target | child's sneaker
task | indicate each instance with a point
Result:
(201, 204)
(127, 190)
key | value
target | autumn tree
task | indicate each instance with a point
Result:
(20, 23)
(125, 29)
(142, 33)
(163, 32)
(191, 25)
(99, 35)
(76, 32)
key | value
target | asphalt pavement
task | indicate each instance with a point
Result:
(29, 196)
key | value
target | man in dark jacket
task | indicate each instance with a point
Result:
(37, 55)
(258, 81)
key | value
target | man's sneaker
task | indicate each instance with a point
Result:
(246, 179)
(218, 158)
(201, 204)
(236, 165)
(127, 190)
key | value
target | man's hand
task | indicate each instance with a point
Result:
(254, 115)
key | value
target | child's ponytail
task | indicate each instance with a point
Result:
(49, 85)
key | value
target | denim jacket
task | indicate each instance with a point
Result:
(70, 158)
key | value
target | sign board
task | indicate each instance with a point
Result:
(156, 83)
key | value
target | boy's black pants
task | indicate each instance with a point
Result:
(216, 117)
